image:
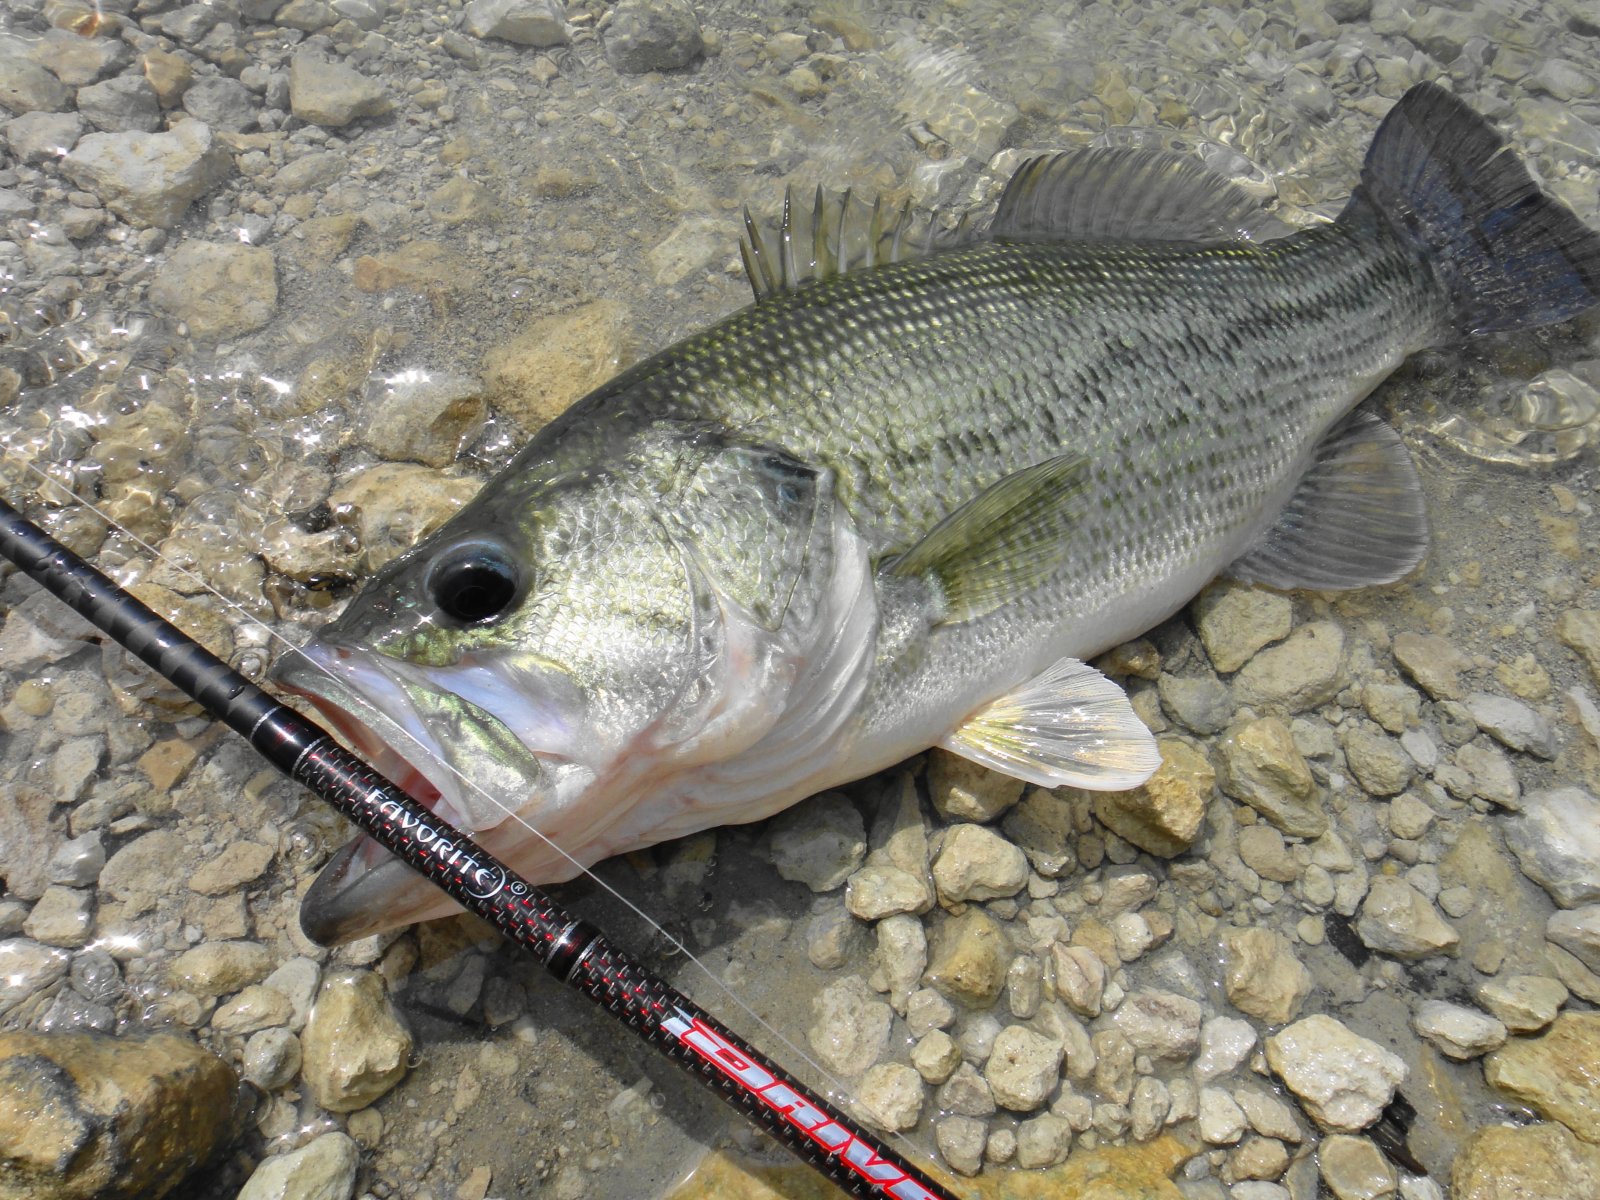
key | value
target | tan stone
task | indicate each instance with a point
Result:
(538, 373)
(1555, 1073)
(1162, 816)
(1533, 1162)
(1264, 978)
(166, 763)
(968, 957)
(355, 1047)
(1259, 765)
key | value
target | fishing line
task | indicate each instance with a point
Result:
(836, 1087)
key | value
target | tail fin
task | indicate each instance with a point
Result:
(1513, 257)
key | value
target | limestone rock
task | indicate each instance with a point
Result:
(538, 373)
(1080, 978)
(1459, 1032)
(968, 959)
(539, 23)
(26, 969)
(425, 416)
(1264, 978)
(1259, 765)
(1343, 1080)
(1434, 662)
(963, 790)
(1235, 620)
(1022, 1068)
(1512, 723)
(1580, 629)
(323, 1169)
(652, 35)
(220, 968)
(975, 863)
(819, 842)
(1162, 816)
(394, 505)
(1530, 1162)
(27, 87)
(1301, 673)
(1577, 931)
(355, 1046)
(1379, 763)
(890, 1096)
(1042, 827)
(1161, 1024)
(881, 889)
(332, 94)
(149, 178)
(1554, 1073)
(1523, 1003)
(850, 1026)
(238, 864)
(219, 289)
(84, 1116)
(1354, 1168)
(1397, 919)
(1556, 838)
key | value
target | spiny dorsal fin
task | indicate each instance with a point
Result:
(1003, 542)
(838, 235)
(1356, 520)
(1068, 726)
(1128, 193)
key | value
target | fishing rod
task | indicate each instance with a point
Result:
(572, 950)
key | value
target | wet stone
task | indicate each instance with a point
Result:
(271, 1058)
(1225, 1042)
(850, 1026)
(1022, 1068)
(1459, 1032)
(833, 937)
(26, 969)
(355, 1047)
(1345, 1081)
(40, 137)
(1201, 704)
(1043, 1142)
(1258, 764)
(1268, 1115)
(1354, 1168)
(127, 102)
(149, 178)
(219, 968)
(1161, 1024)
(1266, 853)
(1523, 1003)
(975, 863)
(966, 1092)
(1579, 629)
(1042, 827)
(1164, 815)
(881, 889)
(652, 35)
(27, 87)
(256, 1007)
(1556, 838)
(1433, 662)
(820, 842)
(1024, 987)
(522, 22)
(324, 1168)
(1409, 817)
(1300, 673)
(1398, 920)
(534, 376)
(1533, 1162)
(421, 416)
(1263, 977)
(218, 289)
(961, 1141)
(963, 790)
(332, 94)
(78, 861)
(1577, 931)
(238, 864)
(902, 954)
(1394, 706)
(127, 1116)
(968, 959)
(1379, 763)
(1235, 621)
(936, 1056)
(1222, 1121)
(890, 1097)
(1512, 723)
(63, 916)
(1493, 777)
(1554, 1073)
(1080, 978)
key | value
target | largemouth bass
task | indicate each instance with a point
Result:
(899, 504)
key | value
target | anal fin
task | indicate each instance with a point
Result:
(1356, 520)
(1067, 726)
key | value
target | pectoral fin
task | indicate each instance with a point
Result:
(1003, 542)
(1069, 726)
(1357, 519)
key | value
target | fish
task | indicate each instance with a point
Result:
(902, 499)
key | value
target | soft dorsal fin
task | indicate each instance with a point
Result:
(1356, 520)
(1128, 193)
(1003, 542)
(1068, 726)
(839, 234)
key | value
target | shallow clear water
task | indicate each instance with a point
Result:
(592, 187)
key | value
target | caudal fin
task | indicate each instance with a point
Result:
(1513, 257)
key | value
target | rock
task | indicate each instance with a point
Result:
(1397, 919)
(1266, 853)
(1578, 628)
(461, 201)
(123, 1117)
(394, 505)
(819, 842)
(63, 916)
(1268, 1115)
(1022, 1069)
(219, 968)
(961, 1141)
(538, 373)
(1530, 1162)
(902, 955)
(1222, 1121)
(149, 178)
(936, 1056)
(881, 889)
(298, 979)
(1409, 817)
(1577, 931)
(1235, 620)
(1354, 1168)
(968, 959)
(1379, 763)
(1162, 816)
(652, 35)
(27, 969)
(1080, 978)
(1512, 723)
(323, 1169)
(1343, 1080)
(256, 1007)
(1259, 765)
(1042, 827)
(1433, 662)
(1556, 838)
(421, 416)
(1224, 1044)
(120, 104)
(1301, 673)
(523, 22)
(833, 938)
(1523, 1003)
(1459, 1032)
(332, 94)
(271, 1058)
(1163, 1025)
(1554, 1073)
(238, 864)
(1493, 777)
(890, 1097)
(219, 289)
(355, 1046)
(1264, 978)
(39, 137)
(27, 87)
(850, 1026)
(1043, 1142)
(170, 75)
(1201, 704)
(963, 790)
(975, 863)
(28, 840)
(221, 103)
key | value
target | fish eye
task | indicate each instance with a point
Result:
(473, 583)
